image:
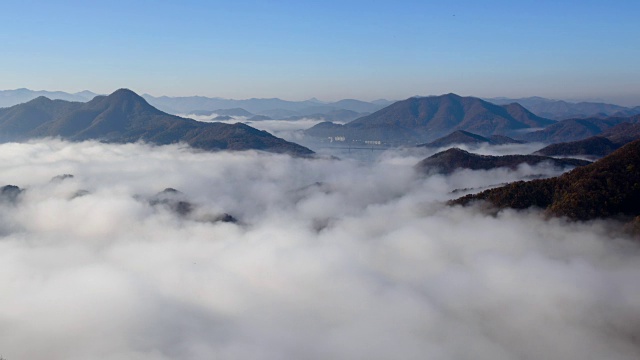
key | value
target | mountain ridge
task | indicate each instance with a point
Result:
(608, 187)
(562, 110)
(465, 137)
(423, 119)
(123, 117)
(450, 160)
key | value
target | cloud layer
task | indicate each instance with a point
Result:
(330, 260)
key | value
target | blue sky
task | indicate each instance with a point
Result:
(327, 49)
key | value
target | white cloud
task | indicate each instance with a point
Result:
(331, 259)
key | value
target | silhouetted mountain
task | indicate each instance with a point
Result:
(608, 187)
(503, 140)
(417, 120)
(126, 117)
(222, 118)
(185, 105)
(624, 133)
(561, 110)
(457, 137)
(465, 137)
(454, 159)
(628, 112)
(61, 178)
(382, 102)
(10, 194)
(19, 96)
(575, 129)
(595, 146)
(173, 200)
(526, 117)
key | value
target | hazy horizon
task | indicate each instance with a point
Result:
(571, 100)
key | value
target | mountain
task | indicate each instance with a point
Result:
(596, 146)
(561, 110)
(18, 96)
(423, 119)
(608, 187)
(126, 117)
(382, 102)
(625, 132)
(465, 137)
(457, 137)
(10, 194)
(448, 161)
(187, 104)
(177, 202)
(576, 129)
(503, 140)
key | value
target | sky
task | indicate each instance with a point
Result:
(295, 50)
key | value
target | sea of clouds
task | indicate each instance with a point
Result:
(329, 259)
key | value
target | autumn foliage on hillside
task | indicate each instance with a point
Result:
(606, 188)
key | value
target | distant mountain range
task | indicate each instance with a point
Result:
(560, 110)
(576, 129)
(200, 105)
(19, 96)
(609, 187)
(409, 122)
(341, 115)
(275, 108)
(126, 117)
(423, 119)
(596, 146)
(454, 159)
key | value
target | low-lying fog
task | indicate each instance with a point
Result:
(329, 259)
(292, 130)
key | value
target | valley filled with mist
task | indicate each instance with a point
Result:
(325, 257)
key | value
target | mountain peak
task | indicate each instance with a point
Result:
(451, 95)
(124, 117)
(40, 100)
(125, 94)
(128, 99)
